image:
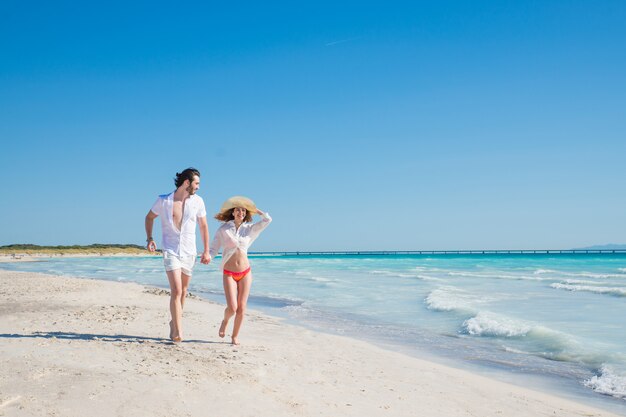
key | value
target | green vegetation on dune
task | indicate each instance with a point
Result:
(96, 248)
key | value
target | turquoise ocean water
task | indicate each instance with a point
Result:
(554, 319)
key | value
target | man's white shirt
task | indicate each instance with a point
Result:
(179, 242)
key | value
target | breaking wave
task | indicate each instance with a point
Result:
(608, 382)
(616, 291)
(490, 324)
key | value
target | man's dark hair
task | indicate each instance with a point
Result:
(187, 174)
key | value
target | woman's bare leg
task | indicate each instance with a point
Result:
(230, 292)
(243, 291)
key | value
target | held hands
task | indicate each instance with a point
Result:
(205, 258)
(151, 246)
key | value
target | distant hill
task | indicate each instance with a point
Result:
(608, 246)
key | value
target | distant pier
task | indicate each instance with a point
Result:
(449, 252)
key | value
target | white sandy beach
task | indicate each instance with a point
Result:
(77, 347)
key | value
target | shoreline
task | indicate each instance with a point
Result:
(76, 345)
(563, 386)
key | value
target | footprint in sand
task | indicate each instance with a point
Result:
(9, 401)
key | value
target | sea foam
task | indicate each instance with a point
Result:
(616, 291)
(608, 383)
(544, 271)
(496, 276)
(490, 324)
(585, 282)
(403, 275)
(448, 298)
(582, 274)
(321, 279)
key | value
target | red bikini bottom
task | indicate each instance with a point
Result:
(237, 276)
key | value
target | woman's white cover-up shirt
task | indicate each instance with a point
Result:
(231, 238)
(179, 242)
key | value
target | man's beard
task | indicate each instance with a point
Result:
(190, 190)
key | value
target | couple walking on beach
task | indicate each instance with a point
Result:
(180, 211)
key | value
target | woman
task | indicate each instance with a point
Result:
(235, 236)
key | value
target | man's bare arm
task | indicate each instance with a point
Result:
(204, 234)
(150, 244)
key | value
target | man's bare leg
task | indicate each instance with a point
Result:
(230, 292)
(176, 309)
(185, 285)
(243, 291)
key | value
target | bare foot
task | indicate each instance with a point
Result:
(235, 341)
(222, 332)
(174, 337)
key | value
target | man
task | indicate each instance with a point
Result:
(179, 211)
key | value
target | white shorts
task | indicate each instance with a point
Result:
(184, 263)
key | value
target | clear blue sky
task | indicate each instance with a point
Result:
(357, 125)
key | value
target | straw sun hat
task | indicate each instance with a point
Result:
(239, 201)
